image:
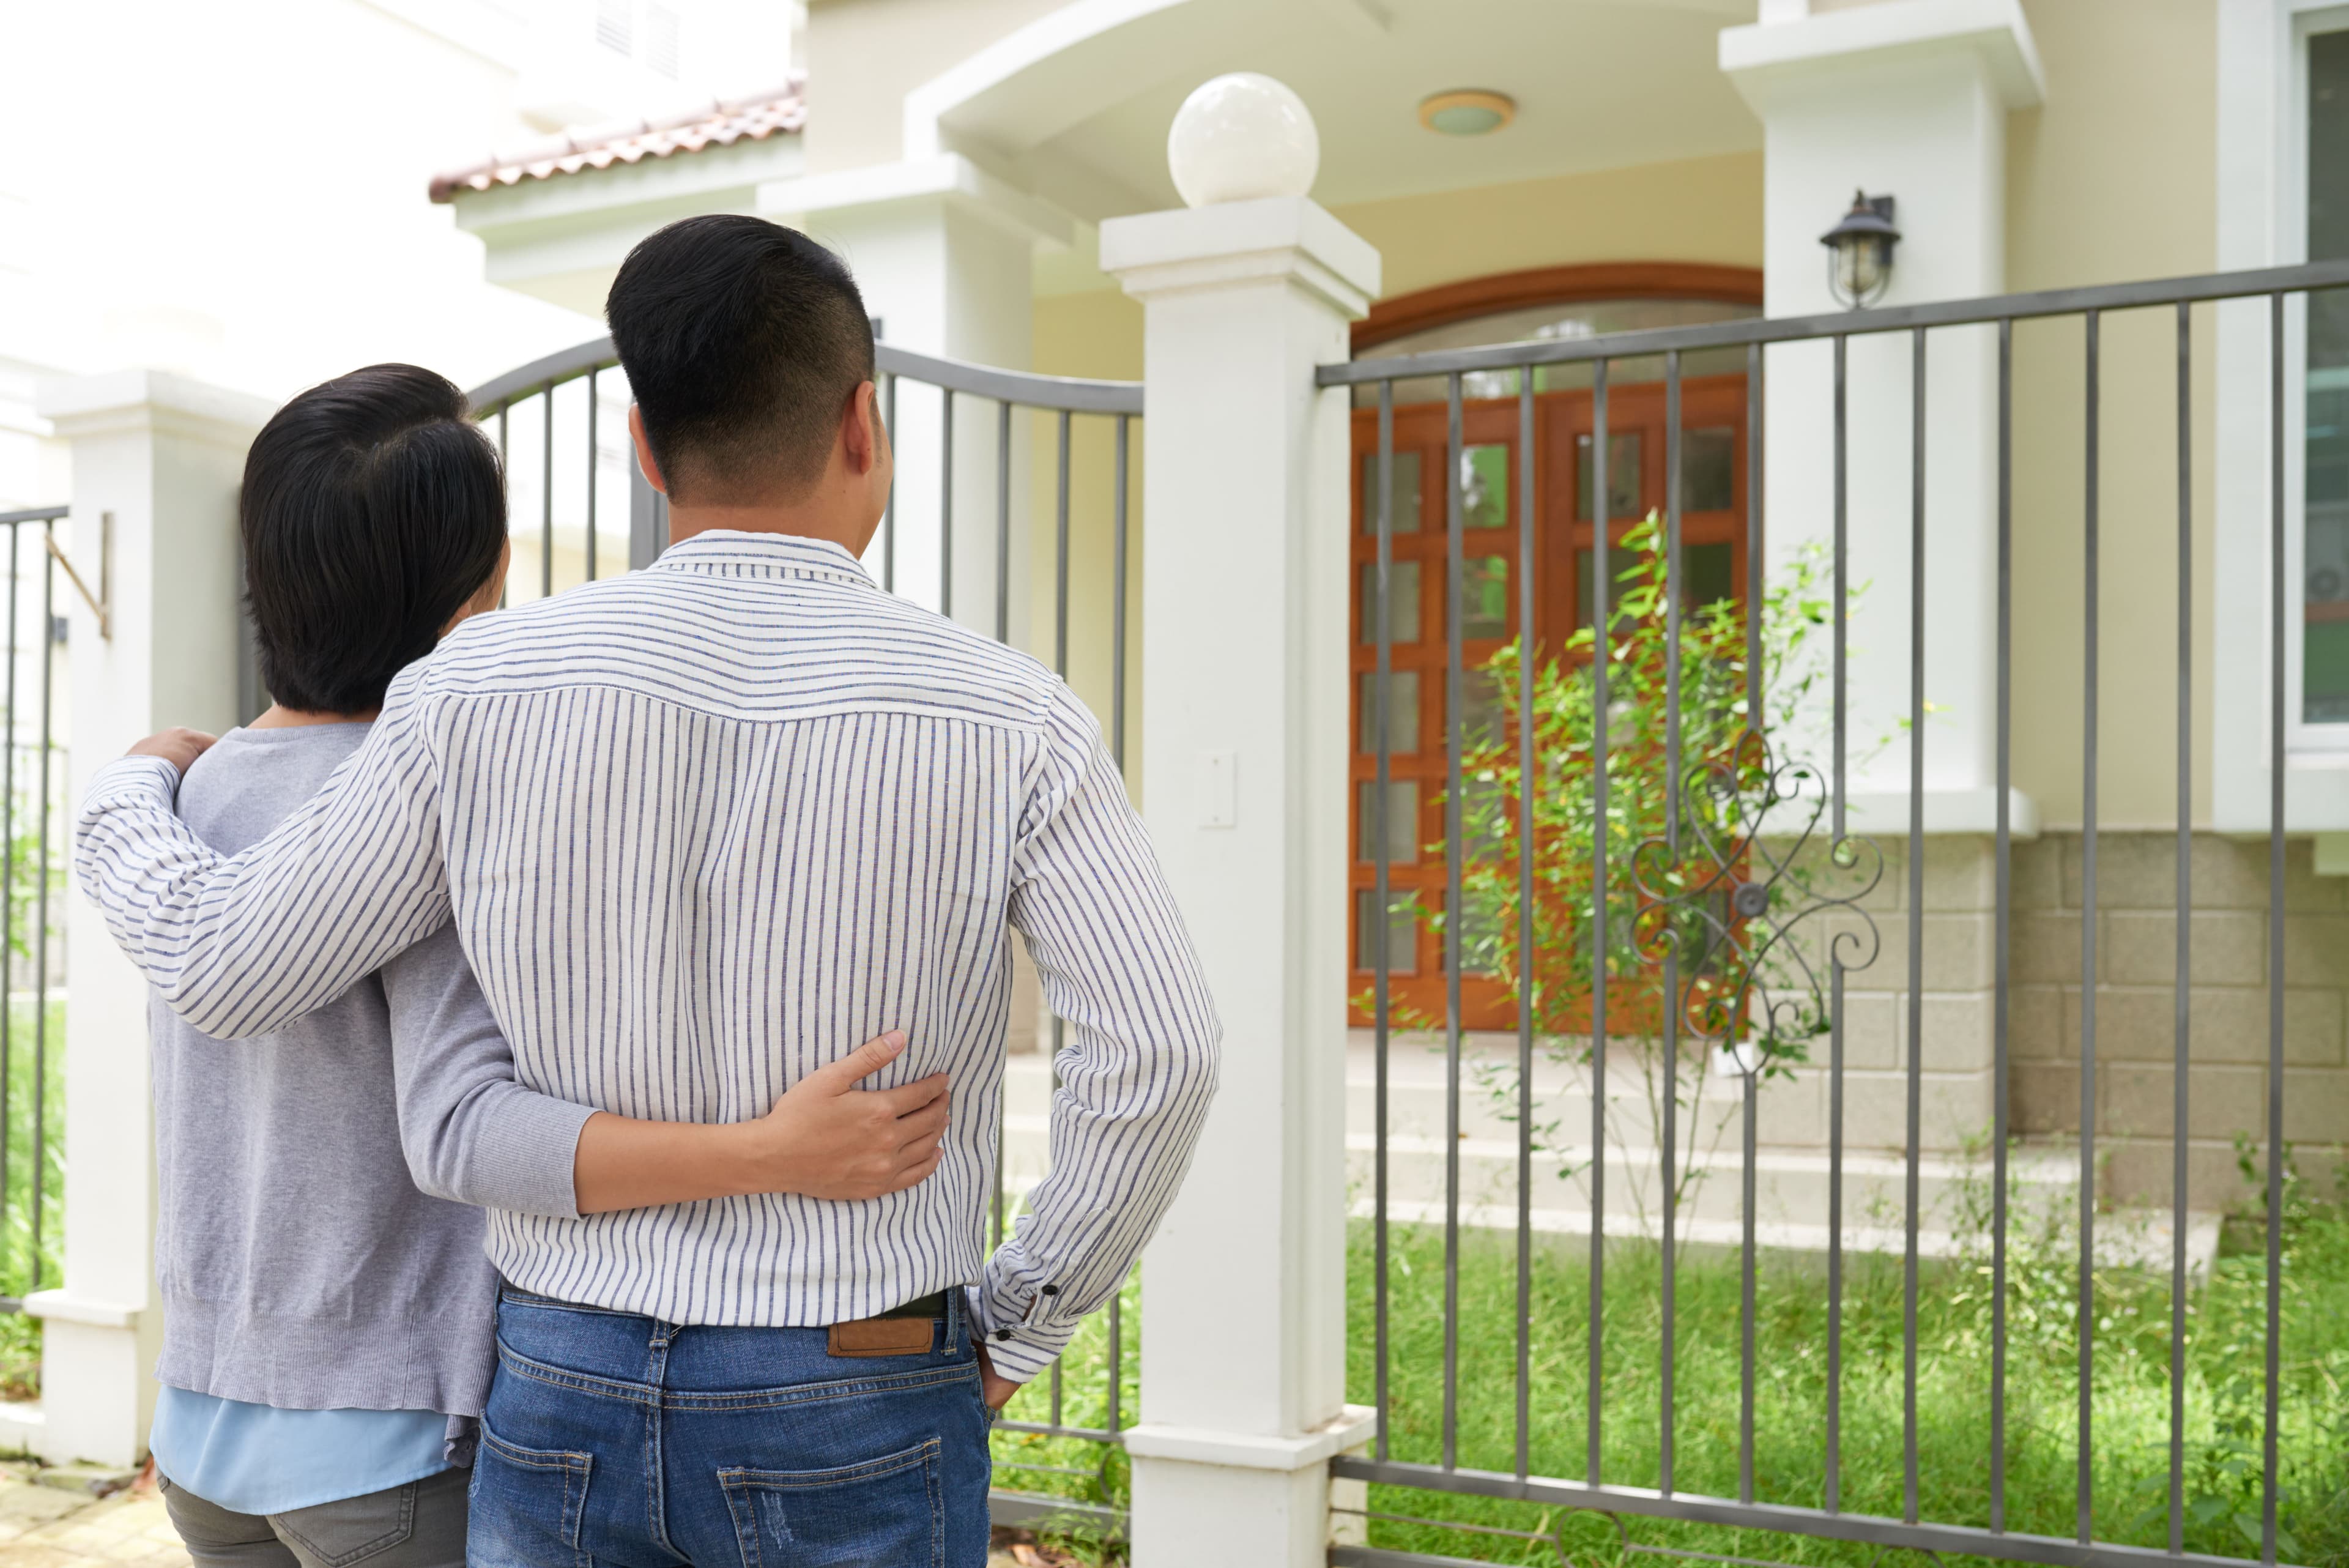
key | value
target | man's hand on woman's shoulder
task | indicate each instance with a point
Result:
(176, 746)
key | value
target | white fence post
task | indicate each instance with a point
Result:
(1244, 617)
(163, 456)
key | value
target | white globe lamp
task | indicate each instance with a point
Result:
(1241, 138)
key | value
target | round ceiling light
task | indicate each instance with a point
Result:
(1468, 111)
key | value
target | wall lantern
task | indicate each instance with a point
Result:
(1859, 250)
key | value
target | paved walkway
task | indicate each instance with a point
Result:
(49, 1527)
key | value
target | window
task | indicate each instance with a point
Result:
(2325, 647)
(615, 25)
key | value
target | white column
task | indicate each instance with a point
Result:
(163, 456)
(1243, 667)
(1906, 99)
(943, 254)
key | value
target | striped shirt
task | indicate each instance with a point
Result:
(702, 829)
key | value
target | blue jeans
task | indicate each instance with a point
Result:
(621, 1441)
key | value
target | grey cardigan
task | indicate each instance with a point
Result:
(315, 1243)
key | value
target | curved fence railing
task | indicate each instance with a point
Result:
(1053, 557)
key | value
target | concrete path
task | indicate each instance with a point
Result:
(53, 1527)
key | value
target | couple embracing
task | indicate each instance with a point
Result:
(581, 1026)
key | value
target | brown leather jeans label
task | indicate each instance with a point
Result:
(880, 1336)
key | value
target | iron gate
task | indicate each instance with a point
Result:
(1730, 956)
(523, 405)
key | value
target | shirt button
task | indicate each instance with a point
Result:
(1050, 1290)
(1002, 1333)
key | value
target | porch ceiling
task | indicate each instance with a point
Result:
(1079, 101)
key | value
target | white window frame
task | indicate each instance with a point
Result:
(2262, 221)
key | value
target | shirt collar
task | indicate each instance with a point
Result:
(733, 550)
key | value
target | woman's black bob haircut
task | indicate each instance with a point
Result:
(373, 509)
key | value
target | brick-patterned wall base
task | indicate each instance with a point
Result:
(2136, 1002)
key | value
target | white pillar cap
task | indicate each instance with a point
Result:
(1278, 237)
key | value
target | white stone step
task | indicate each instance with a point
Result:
(1791, 1181)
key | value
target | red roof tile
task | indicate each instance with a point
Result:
(721, 124)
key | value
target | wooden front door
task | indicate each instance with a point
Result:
(1713, 503)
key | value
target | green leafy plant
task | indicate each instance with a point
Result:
(1693, 796)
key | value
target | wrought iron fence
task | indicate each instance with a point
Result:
(523, 406)
(1731, 952)
(32, 879)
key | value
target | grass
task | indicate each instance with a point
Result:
(2130, 1445)
(2129, 1448)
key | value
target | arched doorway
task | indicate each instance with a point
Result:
(1512, 307)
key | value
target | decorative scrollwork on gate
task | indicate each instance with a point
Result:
(1752, 909)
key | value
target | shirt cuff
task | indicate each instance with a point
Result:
(1022, 1339)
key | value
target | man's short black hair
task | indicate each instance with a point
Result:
(373, 509)
(742, 341)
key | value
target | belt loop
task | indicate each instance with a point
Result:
(954, 1321)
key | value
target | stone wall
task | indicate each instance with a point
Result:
(2228, 1017)
(2135, 1004)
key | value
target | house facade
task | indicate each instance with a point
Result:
(1671, 163)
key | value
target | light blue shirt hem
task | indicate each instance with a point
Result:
(258, 1459)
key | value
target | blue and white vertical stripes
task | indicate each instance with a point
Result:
(701, 829)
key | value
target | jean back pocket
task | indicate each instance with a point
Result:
(890, 1509)
(526, 1505)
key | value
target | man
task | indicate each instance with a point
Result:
(700, 830)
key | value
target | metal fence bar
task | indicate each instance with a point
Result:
(1117, 604)
(8, 863)
(2275, 929)
(1383, 678)
(1748, 1131)
(1061, 556)
(506, 473)
(40, 943)
(546, 491)
(2002, 919)
(8, 869)
(1599, 619)
(1670, 1020)
(889, 502)
(2181, 1022)
(1917, 427)
(945, 543)
(1837, 681)
(594, 455)
(1528, 646)
(1060, 668)
(1003, 522)
(2083, 1527)
(1456, 908)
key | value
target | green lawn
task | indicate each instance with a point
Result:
(2131, 1409)
(2225, 1354)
